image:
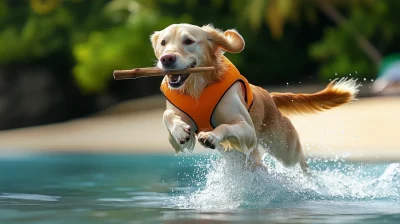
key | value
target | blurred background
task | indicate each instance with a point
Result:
(77, 146)
(57, 56)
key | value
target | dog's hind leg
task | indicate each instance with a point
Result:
(283, 143)
(303, 164)
(251, 162)
(256, 160)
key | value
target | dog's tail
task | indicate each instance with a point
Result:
(337, 92)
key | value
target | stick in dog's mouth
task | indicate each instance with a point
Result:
(149, 72)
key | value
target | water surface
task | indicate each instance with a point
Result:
(104, 188)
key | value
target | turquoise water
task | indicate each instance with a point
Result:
(184, 189)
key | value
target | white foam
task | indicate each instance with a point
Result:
(227, 185)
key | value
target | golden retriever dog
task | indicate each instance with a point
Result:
(215, 106)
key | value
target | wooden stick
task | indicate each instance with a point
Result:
(149, 72)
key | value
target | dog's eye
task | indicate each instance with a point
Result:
(188, 42)
(163, 43)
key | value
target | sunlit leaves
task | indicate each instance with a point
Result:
(43, 7)
(124, 46)
(277, 13)
(255, 10)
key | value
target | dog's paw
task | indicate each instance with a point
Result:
(181, 133)
(209, 140)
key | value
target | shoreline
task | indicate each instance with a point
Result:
(364, 130)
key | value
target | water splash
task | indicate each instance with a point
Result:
(226, 184)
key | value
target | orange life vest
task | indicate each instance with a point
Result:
(201, 110)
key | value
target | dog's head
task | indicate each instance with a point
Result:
(182, 46)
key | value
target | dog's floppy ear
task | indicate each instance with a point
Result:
(230, 40)
(154, 38)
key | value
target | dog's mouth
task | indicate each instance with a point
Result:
(177, 80)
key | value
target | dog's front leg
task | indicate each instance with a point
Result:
(239, 134)
(235, 124)
(180, 135)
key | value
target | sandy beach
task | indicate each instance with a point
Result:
(366, 129)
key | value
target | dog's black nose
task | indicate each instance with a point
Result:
(168, 60)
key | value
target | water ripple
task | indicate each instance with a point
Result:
(33, 197)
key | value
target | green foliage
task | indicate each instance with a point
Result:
(123, 46)
(339, 50)
(284, 38)
(341, 56)
(37, 37)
